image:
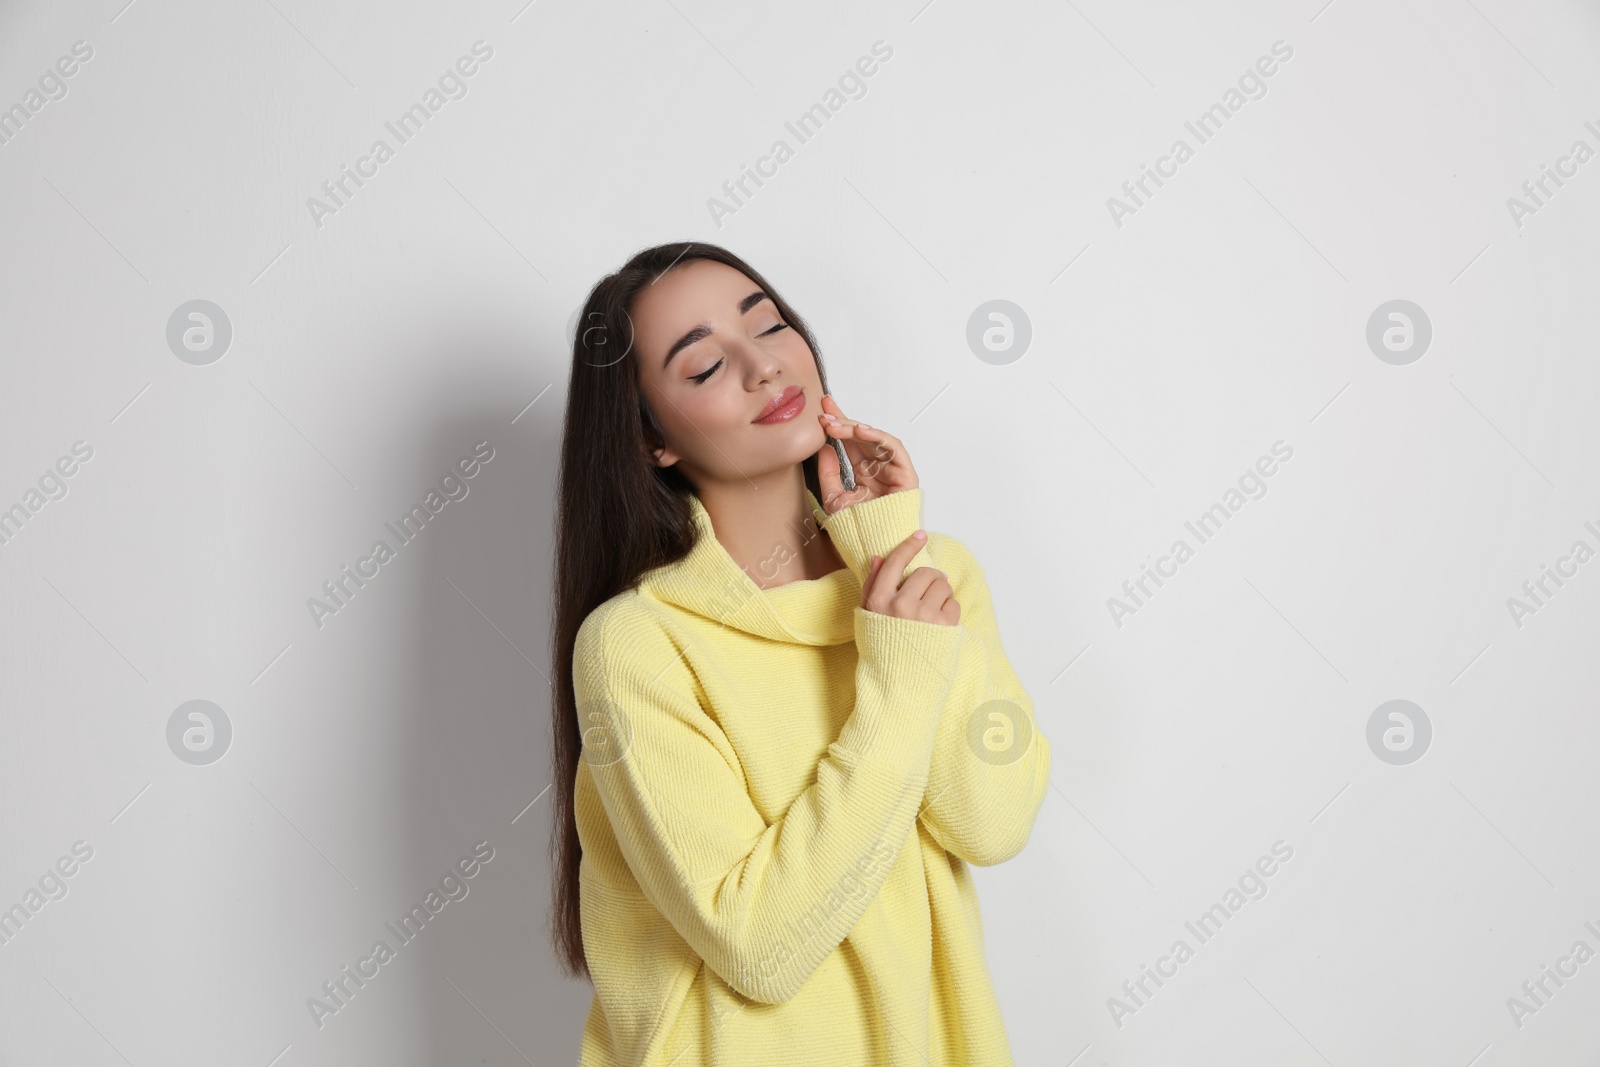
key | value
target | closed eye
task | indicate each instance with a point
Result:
(700, 379)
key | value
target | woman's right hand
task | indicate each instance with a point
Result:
(879, 460)
(924, 596)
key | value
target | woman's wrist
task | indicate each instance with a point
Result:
(873, 527)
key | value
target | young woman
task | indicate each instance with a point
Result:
(783, 721)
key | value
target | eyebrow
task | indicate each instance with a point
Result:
(703, 331)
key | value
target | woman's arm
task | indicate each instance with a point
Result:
(990, 765)
(762, 905)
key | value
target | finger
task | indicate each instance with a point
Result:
(841, 431)
(893, 569)
(882, 465)
(872, 437)
(835, 498)
(830, 406)
(847, 429)
(873, 567)
(851, 430)
(938, 603)
(924, 584)
(865, 445)
(830, 414)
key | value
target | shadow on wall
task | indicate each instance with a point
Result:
(473, 746)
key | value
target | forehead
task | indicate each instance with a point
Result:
(697, 291)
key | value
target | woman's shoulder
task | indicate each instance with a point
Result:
(627, 621)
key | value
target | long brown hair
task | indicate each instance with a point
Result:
(617, 516)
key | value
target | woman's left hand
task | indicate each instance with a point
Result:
(878, 459)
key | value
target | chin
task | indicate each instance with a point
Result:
(796, 447)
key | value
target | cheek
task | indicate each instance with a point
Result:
(709, 410)
(801, 362)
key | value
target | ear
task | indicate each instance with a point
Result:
(656, 451)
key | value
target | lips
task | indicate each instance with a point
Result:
(783, 406)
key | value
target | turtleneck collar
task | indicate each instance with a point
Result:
(815, 611)
(708, 582)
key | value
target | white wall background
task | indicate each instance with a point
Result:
(1168, 353)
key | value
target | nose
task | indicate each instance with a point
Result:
(760, 365)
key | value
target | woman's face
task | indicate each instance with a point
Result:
(713, 353)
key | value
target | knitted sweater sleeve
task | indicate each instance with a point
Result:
(990, 765)
(733, 886)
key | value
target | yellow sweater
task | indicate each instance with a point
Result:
(779, 797)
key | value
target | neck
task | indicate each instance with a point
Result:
(766, 525)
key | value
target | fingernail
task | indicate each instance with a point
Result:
(865, 425)
(830, 418)
(921, 535)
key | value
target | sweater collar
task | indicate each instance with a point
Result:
(708, 583)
